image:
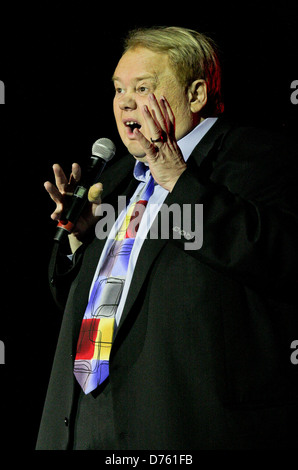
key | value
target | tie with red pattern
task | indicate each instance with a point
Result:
(91, 365)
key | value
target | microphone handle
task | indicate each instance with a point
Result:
(79, 199)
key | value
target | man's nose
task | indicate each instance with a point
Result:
(127, 101)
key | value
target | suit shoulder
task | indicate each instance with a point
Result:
(259, 138)
(251, 159)
(260, 145)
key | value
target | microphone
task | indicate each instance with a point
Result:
(103, 151)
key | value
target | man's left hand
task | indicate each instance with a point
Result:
(162, 152)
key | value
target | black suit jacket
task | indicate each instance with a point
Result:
(201, 358)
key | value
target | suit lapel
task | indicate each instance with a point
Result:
(207, 148)
(211, 143)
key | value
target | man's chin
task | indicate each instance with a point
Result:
(141, 159)
(135, 149)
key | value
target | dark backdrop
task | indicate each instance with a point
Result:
(57, 63)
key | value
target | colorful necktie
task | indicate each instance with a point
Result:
(91, 365)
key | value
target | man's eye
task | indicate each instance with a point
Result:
(118, 90)
(143, 89)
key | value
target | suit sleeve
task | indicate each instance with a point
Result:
(250, 218)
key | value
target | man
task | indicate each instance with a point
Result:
(201, 334)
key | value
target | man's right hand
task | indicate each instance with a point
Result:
(65, 188)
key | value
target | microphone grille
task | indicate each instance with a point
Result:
(104, 148)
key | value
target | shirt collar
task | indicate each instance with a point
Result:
(186, 144)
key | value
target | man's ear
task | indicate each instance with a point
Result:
(197, 95)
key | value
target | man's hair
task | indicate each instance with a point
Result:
(192, 55)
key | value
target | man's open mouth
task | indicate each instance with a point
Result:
(133, 125)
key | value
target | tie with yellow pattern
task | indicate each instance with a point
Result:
(91, 365)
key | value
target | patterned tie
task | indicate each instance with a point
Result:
(91, 365)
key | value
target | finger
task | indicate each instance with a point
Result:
(54, 193)
(153, 127)
(76, 172)
(157, 113)
(157, 135)
(60, 178)
(57, 197)
(94, 193)
(74, 178)
(149, 148)
(169, 116)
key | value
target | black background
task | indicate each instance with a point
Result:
(56, 63)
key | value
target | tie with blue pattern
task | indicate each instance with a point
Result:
(91, 365)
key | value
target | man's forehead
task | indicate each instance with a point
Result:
(141, 64)
(147, 76)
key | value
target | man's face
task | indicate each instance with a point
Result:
(139, 73)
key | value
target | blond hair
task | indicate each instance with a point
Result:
(191, 54)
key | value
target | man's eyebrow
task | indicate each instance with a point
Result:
(138, 79)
